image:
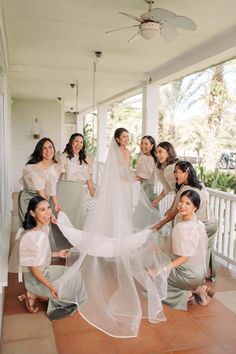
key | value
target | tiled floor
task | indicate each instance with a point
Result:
(201, 330)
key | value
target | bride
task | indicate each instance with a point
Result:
(113, 259)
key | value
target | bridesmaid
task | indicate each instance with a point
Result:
(166, 160)
(146, 166)
(189, 247)
(75, 187)
(40, 176)
(34, 261)
(186, 179)
(146, 173)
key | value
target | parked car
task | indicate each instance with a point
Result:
(227, 160)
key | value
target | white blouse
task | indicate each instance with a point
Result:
(146, 168)
(37, 178)
(35, 250)
(72, 170)
(189, 239)
(203, 213)
(167, 178)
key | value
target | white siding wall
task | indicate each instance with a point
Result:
(24, 113)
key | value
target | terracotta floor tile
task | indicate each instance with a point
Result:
(172, 314)
(184, 334)
(149, 341)
(72, 324)
(85, 342)
(229, 345)
(222, 328)
(209, 349)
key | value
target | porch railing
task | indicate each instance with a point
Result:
(223, 206)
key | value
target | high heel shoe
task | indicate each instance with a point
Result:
(203, 294)
(29, 302)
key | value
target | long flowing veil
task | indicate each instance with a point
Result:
(114, 259)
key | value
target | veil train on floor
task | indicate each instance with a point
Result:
(114, 258)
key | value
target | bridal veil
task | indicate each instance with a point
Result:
(114, 259)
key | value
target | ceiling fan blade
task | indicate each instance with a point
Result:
(168, 30)
(134, 37)
(131, 16)
(185, 23)
(159, 14)
(121, 28)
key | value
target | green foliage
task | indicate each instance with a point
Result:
(90, 142)
(217, 179)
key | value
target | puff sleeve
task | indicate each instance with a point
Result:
(185, 238)
(34, 249)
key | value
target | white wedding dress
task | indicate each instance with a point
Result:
(113, 259)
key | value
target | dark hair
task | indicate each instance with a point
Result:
(69, 151)
(193, 196)
(192, 180)
(171, 152)
(37, 155)
(29, 221)
(152, 142)
(118, 133)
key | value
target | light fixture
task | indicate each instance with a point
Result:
(36, 129)
(149, 29)
(76, 86)
(97, 59)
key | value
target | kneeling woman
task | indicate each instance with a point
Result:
(189, 248)
(35, 258)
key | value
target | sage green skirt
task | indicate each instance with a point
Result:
(144, 214)
(76, 297)
(75, 201)
(180, 281)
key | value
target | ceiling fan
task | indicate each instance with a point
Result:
(158, 20)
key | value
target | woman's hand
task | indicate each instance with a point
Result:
(53, 219)
(63, 253)
(168, 211)
(155, 203)
(156, 227)
(57, 208)
(54, 292)
(137, 178)
(153, 272)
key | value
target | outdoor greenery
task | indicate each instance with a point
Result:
(217, 179)
(197, 115)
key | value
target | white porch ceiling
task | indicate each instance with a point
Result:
(51, 44)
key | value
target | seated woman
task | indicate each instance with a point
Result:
(75, 181)
(186, 179)
(189, 248)
(146, 173)
(34, 261)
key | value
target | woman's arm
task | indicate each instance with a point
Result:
(42, 193)
(170, 216)
(61, 253)
(56, 203)
(91, 186)
(178, 261)
(41, 278)
(157, 200)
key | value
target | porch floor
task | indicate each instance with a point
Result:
(200, 330)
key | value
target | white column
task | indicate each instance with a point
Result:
(80, 123)
(151, 102)
(101, 132)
